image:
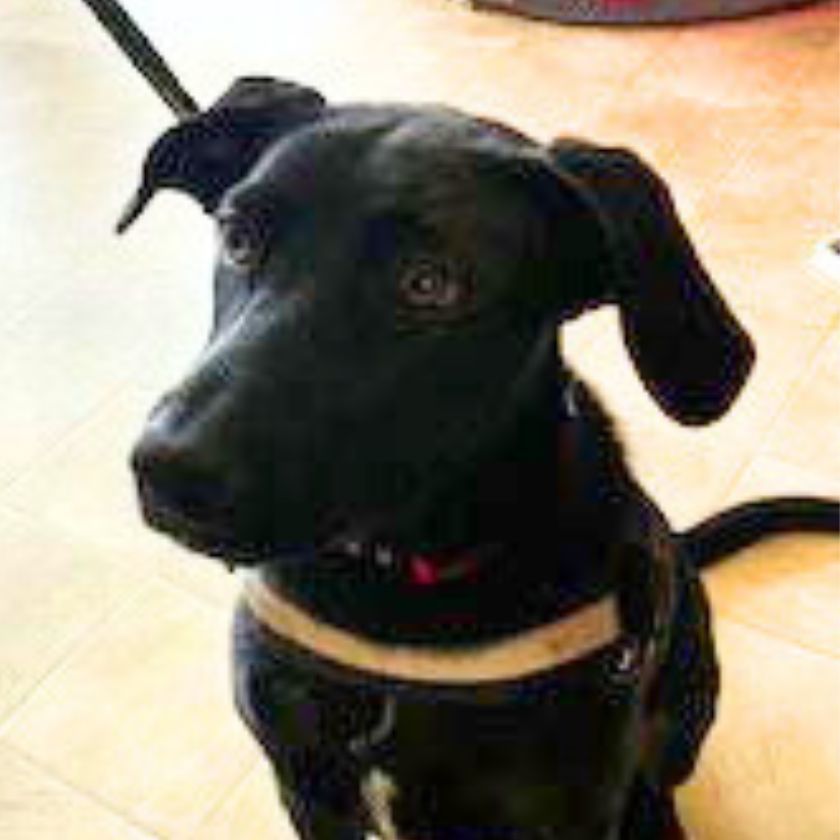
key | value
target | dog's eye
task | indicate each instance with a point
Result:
(433, 288)
(242, 244)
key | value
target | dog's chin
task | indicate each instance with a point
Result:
(225, 544)
(345, 537)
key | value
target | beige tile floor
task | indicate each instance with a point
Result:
(115, 721)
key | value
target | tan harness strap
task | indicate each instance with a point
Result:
(571, 637)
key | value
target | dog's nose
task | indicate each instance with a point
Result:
(178, 480)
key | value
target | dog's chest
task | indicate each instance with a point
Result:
(430, 759)
(411, 761)
(429, 765)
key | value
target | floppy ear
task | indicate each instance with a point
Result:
(690, 352)
(208, 153)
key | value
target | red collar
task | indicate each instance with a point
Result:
(421, 569)
(433, 569)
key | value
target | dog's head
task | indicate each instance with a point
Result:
(387, 290)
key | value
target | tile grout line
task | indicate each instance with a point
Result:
(146, 584)
(91, 797)
(764, 128)
(107, 547)
(87, 636)
(121, 386)
(813, 650)
(759, 449)
(220, 801)
(827, 333)
(7, 721)
(207, 605)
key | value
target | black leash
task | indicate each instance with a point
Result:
(142, 54)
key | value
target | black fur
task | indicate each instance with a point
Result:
(383, 372)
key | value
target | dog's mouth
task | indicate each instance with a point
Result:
(427, 565)
(209, 538)
(431, 566)
(219, 533)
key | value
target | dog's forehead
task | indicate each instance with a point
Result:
(382, 151)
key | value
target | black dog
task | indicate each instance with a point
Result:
(468, 622)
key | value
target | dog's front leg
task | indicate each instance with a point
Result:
(314, 823)
(651, 815)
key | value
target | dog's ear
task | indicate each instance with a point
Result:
(208, 153)
(690, 352)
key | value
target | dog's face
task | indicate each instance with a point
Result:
(374, 332)
(386, 292)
